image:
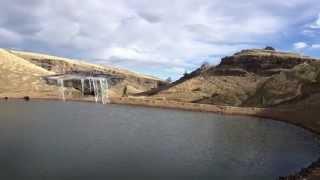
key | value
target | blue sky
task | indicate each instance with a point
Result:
(162, 38)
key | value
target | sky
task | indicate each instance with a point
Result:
(164, 38)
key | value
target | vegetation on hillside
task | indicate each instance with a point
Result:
(257, 78)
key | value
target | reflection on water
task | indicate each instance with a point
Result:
(55, 140)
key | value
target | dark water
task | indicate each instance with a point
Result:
(55, 140)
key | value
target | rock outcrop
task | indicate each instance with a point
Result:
(292, 86)
(263, 62)
(254, 78)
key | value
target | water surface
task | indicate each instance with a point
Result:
(56, 140)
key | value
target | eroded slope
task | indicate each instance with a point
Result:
(256, 78)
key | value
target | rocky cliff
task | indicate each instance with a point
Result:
(263, 62)
(255, 78)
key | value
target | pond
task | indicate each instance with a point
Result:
(72, 140)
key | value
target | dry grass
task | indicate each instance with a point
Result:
(79, 63)
(260, 52)
(22, 72)
(19, 77)
(226, 90)
(135, 82)
(253, 90)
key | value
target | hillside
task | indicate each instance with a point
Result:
(63, 65)
(292, 86)
(19, 76)
(135, 82)
(22, 74)
(250, 78)
(255, 78)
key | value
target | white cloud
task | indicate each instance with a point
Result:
(300, 45)
(316, 24)
(315, 46)
(303, 45)
(169, 34)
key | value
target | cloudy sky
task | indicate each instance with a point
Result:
(159, 37)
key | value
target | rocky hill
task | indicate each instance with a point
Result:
(22, 74)
(255, 78)
(263, 62)
(250, 78)
(19, 76)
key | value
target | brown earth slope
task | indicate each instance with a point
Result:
(294, 86)
(22, 73)
(255, 78)
(20, 78)
(134, 82)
